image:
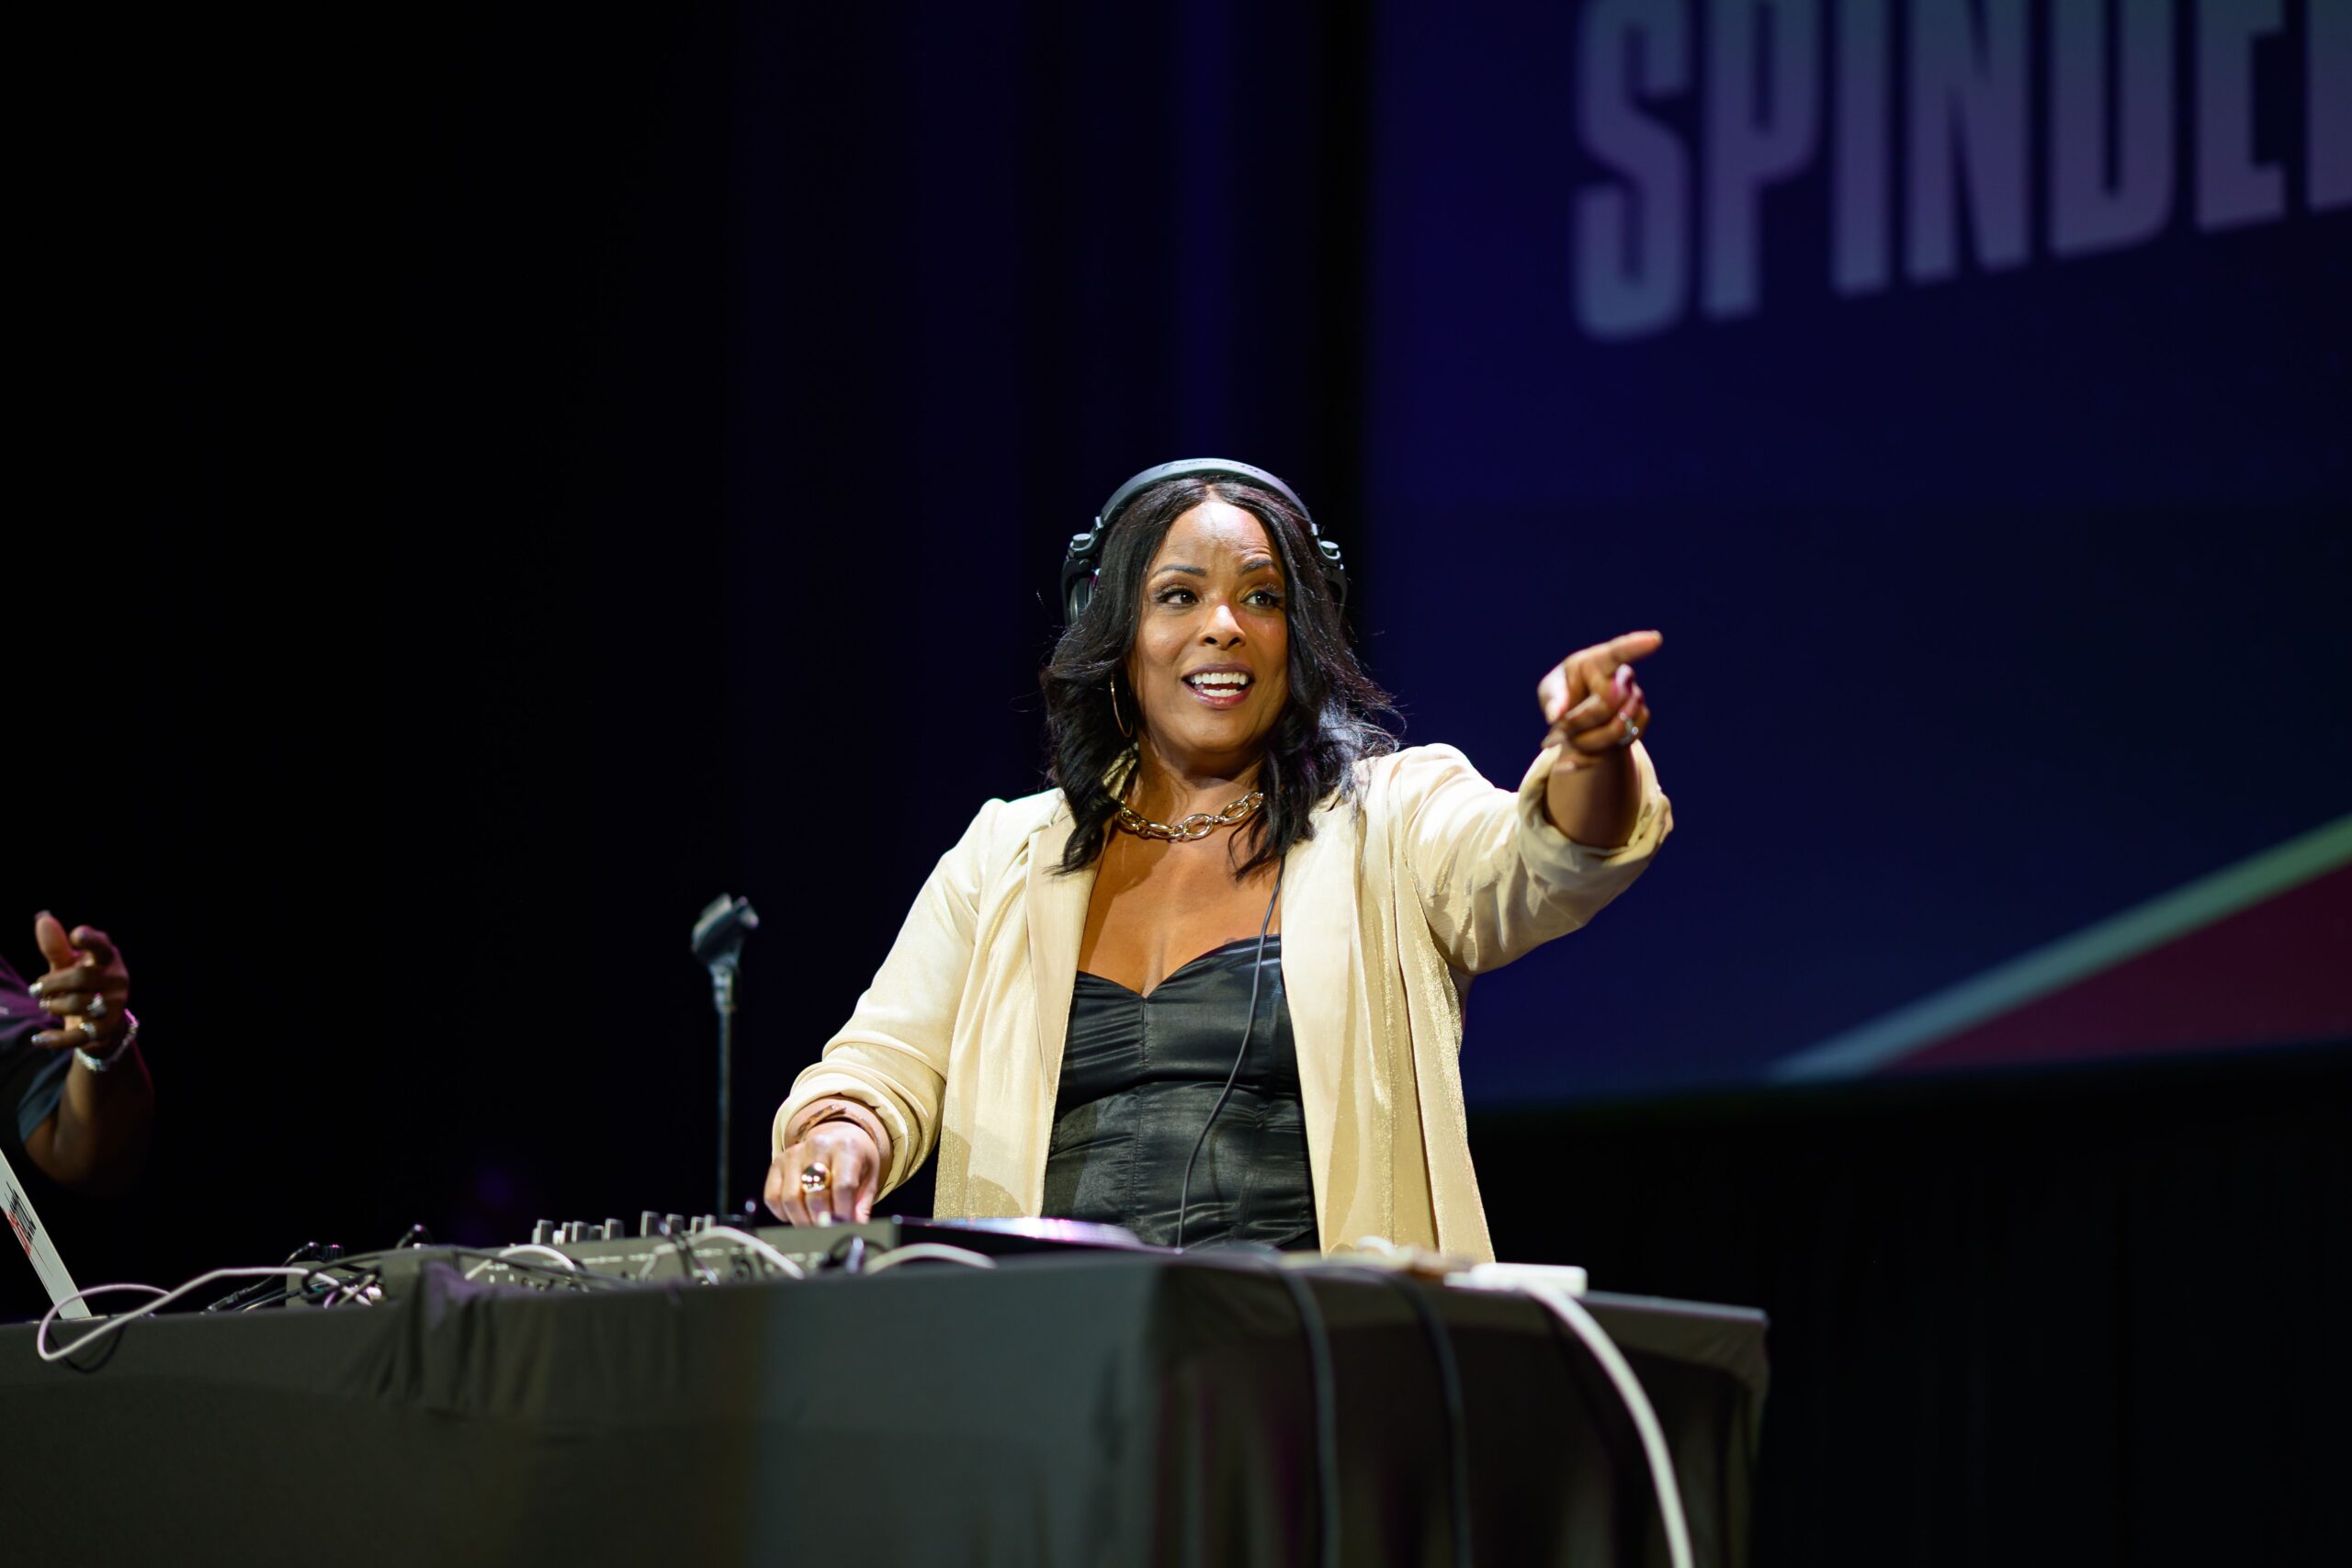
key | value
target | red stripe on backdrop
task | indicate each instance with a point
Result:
(2278, 973)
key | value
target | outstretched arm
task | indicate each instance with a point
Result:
(1596, 708)
(1499, 871)
(97, 1137)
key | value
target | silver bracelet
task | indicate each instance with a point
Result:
(105, 1062)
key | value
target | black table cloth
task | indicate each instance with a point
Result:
(1056, 1410)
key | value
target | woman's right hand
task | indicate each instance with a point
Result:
(852, 1164)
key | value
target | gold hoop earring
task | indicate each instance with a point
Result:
(1116, 718)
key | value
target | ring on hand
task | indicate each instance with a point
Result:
(816, 1177)
(1632, 730)
(97, 1009)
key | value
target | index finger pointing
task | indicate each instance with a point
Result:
(1634, 645)
(48, 932)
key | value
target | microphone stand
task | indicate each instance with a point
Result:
(720, 930)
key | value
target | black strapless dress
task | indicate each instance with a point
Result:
(1139, 1077)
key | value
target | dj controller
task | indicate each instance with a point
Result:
(664, 1249)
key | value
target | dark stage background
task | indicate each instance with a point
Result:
(512, 475)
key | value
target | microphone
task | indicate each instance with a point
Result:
(719, 931)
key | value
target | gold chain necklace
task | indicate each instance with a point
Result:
(1199, 825)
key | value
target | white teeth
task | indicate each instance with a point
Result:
(1227, 680)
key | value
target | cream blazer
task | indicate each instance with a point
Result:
(1428, 876)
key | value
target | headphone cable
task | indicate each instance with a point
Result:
(1257, 972)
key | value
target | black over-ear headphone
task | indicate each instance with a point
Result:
(1085, 557)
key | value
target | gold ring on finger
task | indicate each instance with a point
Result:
(815, 1176)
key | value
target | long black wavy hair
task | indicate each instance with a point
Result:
(1330, 722)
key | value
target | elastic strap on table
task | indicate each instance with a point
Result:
(1449, 1377)
(1327, 1420)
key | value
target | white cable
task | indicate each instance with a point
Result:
(1570, 1311)
(690, 1263)
(932, 1249)
(506, 1252)
(783, 1264)
(362, 1289)
(151, 1290)
(162, 1298)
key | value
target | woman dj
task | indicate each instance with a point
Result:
(1210, 987)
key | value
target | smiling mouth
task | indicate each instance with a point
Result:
(1220, 688)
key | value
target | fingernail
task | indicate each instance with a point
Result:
(36, 988)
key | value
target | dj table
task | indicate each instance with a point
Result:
(1055, 1410)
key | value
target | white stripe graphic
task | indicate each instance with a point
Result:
(2058, 965)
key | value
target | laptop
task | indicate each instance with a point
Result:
(18, 1205)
